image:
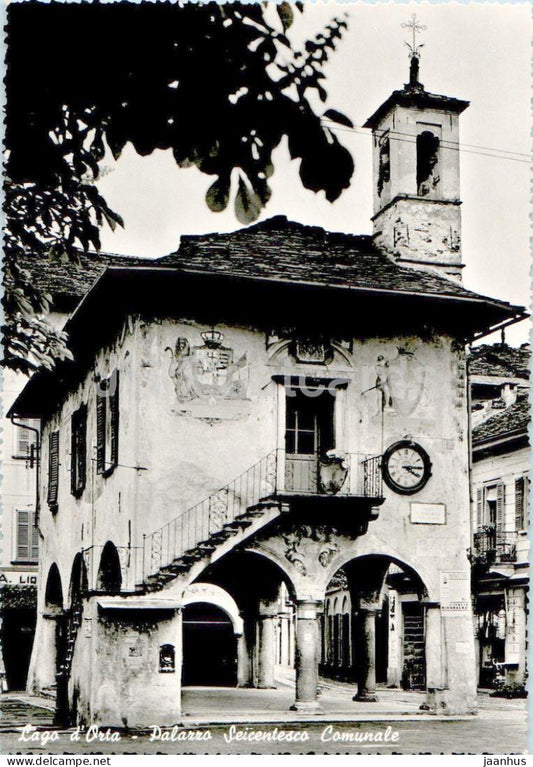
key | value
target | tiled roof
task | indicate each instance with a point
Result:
(278, 249)
(514, 419)
(68, 282)
(500, 360)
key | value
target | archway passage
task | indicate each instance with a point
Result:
(209, 647)
(109, 573)
(374, 618)
(53, 595)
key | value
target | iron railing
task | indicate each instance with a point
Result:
(494, 546)
(271, 477)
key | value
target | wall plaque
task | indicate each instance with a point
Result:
(428, 513)
(454, 592)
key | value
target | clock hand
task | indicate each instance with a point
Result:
(413, 470)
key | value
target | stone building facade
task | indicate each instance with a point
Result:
(257, 411)
(19, 554)
(499, 378)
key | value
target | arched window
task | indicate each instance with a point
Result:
(427, 163)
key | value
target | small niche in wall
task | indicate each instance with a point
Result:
(167, 659)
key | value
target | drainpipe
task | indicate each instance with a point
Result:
(35, 459)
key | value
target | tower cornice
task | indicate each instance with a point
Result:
(419, 99)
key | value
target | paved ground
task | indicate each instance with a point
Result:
(218, 721)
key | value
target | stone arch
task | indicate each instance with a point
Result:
(53, 594)
(210, 593)
(348, 556)
(79, 582)
(109, 578)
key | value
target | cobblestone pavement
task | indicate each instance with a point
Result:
(415, 735)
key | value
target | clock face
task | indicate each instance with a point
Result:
(406, 467)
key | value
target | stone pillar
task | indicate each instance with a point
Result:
(307, 656)
(266, 651)
(433, 652)
(243, 661)
(366, 649)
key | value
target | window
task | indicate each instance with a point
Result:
(490, 506)
(384, 163)
(107, 424)
(25, 439)
(427, 163)
(53, 469)
(521, 502)
(27, 537)
(78, 465)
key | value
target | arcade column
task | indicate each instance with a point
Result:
(366, 650)
(266, 655)
(307, 657)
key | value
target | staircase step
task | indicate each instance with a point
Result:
(262, 505)
(238, 524)
(172, 569)
(223, 535)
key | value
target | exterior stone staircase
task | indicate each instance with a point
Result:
(236, 512)
(212, 527)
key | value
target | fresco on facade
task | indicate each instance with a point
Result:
(399, 382)
(207, 372)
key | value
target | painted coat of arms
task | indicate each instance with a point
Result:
(207, 372)
(399, 382)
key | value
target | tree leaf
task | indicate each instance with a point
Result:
(247, 203)
(217, 196)
(338, 117)
(285, 14)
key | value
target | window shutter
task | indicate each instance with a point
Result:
(519, 498)
(34, 552)
(100, 431)
(79, 451)
(500, 498)
(479, 508)
(23, 534)
(53, 467)
(81, 467)
(114, 418)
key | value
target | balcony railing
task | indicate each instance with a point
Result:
(353, 474)
(493, 546)
(275, 476)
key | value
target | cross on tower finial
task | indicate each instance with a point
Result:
(416, 28)
(414, 51)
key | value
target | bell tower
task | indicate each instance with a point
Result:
(417, 206)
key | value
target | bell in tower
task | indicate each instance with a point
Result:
(417, 213)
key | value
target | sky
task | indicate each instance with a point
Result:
(480, 52)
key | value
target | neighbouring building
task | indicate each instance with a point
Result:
(499, 377)
(66, 283)
(247, 417)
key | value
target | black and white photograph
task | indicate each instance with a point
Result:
(265, 383)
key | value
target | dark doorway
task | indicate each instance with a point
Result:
(209, 647)
(18, 630)
(309, 434)
(414, 664)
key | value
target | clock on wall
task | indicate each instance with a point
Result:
(406, 467)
